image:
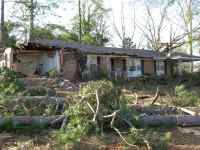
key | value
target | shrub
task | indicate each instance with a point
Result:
(10, 84)
(185, 97)
(53, 73)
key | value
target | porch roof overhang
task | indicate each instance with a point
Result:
(183, 57)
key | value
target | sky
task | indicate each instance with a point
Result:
(65, 13)
(131, 8)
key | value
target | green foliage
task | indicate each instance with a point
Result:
(80, 116)
(54, 32)
(9, 126)
(93, 25)
(10, 84)
(9, 38)
(67, 36)
(39, 91)
(42, 33)
(185, 97)
(191, 79)
(31, 11)
(77, 127)
(52, 73)
(107, 92)
(128, 43)
(157, 138)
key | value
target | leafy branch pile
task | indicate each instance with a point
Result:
(99, 107)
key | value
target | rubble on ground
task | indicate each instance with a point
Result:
(53, 83)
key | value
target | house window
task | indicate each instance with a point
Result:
(134, 65)
(160, 68)
(135, 68)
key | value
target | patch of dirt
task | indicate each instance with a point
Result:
(182, 139)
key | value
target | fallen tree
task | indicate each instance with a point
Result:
(39, 99)
(170, 120)
(156, 110)
(31, 121)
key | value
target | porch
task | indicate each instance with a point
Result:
(123, 67)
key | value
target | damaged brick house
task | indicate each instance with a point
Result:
(73, 61)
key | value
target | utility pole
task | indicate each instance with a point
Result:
(80, 20)
(2, 42)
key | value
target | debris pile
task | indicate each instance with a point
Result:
(53, 83)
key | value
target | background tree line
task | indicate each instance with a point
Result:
(91, 23)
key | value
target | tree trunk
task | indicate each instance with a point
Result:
(30, 38)
(2, 42)
(156, 110)
(190, 36)
(80, 21)
(39, 99)
(172, 120)
(14, 122)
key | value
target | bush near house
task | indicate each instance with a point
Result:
(185, 97)
(10, 84)
(11, 91)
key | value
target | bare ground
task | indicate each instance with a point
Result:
(182, 139)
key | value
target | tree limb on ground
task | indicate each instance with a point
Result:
(113, 116)
(155, 97)
(97, 109)
(50, 121)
